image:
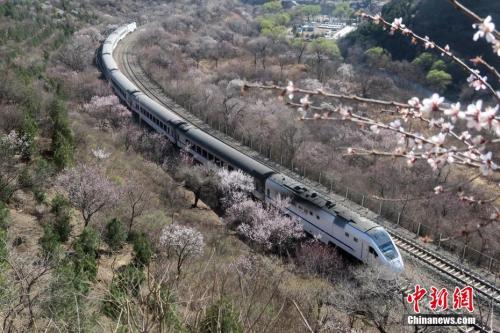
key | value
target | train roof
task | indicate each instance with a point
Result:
(108, 62)
(123, 82)
(159, 110)
(229, 154)
(330, 204)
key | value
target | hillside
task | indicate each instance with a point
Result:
(434, 18)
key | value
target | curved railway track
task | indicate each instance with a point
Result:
(449, 269)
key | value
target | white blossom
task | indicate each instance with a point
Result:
(396, 124)
(374, 128)
(396, 24)
(428, 43)
(183, 241)
(487, 117)
(485, 30)
(446, 50)
(100, 153)
(438, 189)
(472, 115)
(305, 101)
(290, 89)
(496, 47)
(487, 165)
(454, 112)
(431, 104)
(477, 81)
(234, 185)
(438, 139)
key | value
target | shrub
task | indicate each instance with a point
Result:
(126, 283)
(59, 204)
(221, 317)
(4, 216)
(439, 79)
(115, 234)
(60, 207)
(142, 249)
(62, 138)
(49, 241)
(62, 227)
(88, 242)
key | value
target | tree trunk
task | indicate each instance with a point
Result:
(196, 198)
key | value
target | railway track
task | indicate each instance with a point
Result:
(449, 269)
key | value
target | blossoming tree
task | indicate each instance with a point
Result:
(183, 242)
(89, 190)
(267, 227)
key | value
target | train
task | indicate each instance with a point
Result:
(320, 216)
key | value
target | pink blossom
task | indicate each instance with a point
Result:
(267, 227)
(89, 190)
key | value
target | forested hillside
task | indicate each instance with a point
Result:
(434, 18)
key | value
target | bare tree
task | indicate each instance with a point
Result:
(26, 288)
(137, 198)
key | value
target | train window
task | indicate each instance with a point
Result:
(355, 239)
(230, 168)
(268, 192)
(372, 251)
(210, 157)
(204, 153)
(347, 234)
(198, 149)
